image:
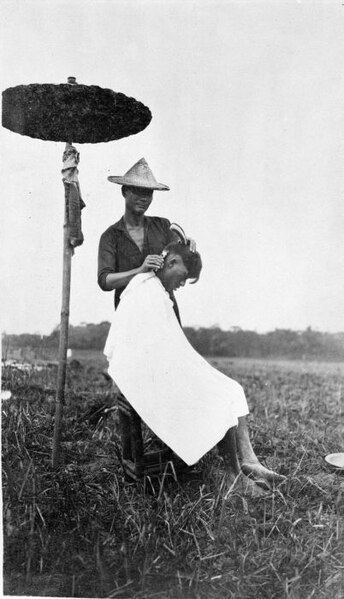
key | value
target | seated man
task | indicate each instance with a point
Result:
(186, 402)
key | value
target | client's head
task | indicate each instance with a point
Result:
(180, 264)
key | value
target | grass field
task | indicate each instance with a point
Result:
(83, 531)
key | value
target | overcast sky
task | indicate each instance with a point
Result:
(247, 130)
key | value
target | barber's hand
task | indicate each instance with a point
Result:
(191, 244)
(152, 262)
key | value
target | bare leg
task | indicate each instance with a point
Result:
(228, 451)
(250, 464)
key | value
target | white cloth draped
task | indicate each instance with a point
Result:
(186, 402)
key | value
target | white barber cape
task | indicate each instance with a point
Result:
(186, 402)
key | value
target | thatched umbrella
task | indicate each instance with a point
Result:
(70, 112)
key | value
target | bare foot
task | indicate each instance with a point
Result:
(261, 475)
(242, 485)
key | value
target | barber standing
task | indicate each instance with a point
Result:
(134, 244)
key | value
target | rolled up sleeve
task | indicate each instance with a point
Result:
(106, 259)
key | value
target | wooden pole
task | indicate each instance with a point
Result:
(64, 326)
(63, 343)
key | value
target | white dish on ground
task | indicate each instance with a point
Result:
(336, 460)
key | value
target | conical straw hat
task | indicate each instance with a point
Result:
(139, 175)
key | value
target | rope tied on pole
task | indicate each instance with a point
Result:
(74, 201)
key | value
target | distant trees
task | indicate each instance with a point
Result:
(83, 336)
(280, 343)
(87, 336)
(213, 341)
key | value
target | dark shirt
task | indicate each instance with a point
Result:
(118, 252)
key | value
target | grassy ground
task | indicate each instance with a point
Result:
(83, 531)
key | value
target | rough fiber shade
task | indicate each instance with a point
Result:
(74, 113)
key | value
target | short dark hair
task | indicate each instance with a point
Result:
(192, 260)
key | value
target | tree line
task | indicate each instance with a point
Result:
(280, 343)
(213, 341)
